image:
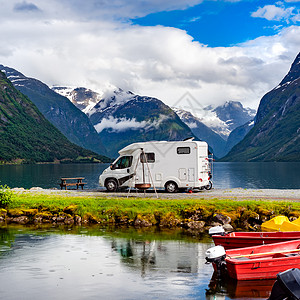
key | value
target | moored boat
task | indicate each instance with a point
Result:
(281, 223)
(234, 240)
(257, 262)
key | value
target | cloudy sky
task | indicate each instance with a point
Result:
(210, 50)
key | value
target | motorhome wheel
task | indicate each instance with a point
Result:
(111, 185)
(209, 186)
(171, 187)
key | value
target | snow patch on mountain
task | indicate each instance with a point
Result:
(224, 118)
(109, 100)
(209, 118)
(83, 98)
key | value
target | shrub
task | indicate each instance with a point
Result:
(5, 196)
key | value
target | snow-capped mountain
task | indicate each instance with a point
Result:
(122, 117)
(215, 124)
(225, 118)
(116, 111)
(203, 132)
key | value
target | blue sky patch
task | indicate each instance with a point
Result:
(220, 23)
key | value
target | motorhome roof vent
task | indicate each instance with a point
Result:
(189, 139)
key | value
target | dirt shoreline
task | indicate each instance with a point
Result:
(233, 194)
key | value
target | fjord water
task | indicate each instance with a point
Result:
(254, 175)
(96, 263)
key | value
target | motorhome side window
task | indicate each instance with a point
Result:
(122, 163)
(150, 157)
(183, 150)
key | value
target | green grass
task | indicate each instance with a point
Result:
(114, 209)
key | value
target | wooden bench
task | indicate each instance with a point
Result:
(78, 182)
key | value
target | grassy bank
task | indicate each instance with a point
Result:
(189, 213)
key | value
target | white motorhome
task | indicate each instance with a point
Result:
(170, 165)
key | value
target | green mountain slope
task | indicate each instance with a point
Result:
(62, 113)
(26, 135)
(276, 133)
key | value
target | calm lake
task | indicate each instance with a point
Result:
(96, 263)
(264, 175)
(100, 263)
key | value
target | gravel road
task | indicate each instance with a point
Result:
(235, 193)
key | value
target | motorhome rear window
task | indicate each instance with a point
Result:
(150, 157)
(183, 150)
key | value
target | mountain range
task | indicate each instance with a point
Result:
(26, 135)
(117, 118)
(122, 118)
(111, 118)
(275, 135)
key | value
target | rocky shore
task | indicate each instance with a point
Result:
(194, 218)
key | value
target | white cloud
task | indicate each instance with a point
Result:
(277, 13)
(162, 62)
(119, 124)
(123, 124)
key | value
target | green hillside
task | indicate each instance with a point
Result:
(58, 110)
(26, 136)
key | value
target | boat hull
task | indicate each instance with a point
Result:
(262, 262)
(248, 239)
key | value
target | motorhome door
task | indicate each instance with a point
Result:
(121, 169)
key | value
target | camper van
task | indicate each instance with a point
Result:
(173, 166)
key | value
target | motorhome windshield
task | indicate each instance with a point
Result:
(122, 163)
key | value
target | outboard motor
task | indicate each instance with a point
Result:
(287, 285)
(216, 255)
(216, 230)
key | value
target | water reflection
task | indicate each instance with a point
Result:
(93, 263)
(242, 289)
(148, 256)
(97, 263)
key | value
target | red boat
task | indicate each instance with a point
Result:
(246, 239)
(262, 262)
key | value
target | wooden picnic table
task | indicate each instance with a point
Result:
(75, 181)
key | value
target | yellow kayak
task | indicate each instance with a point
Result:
(281, 223)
